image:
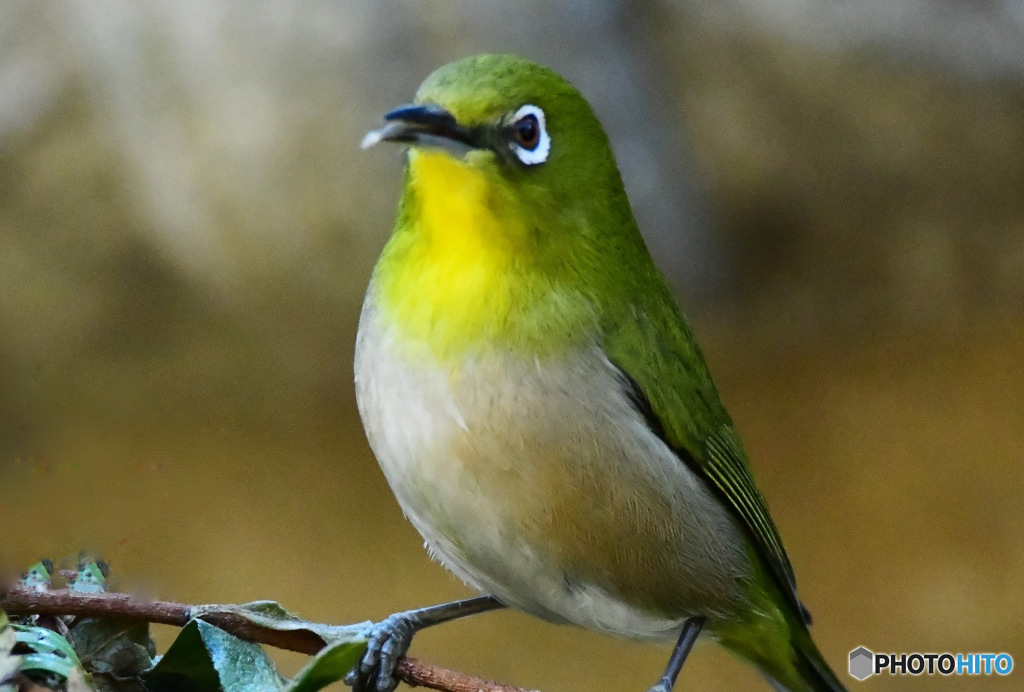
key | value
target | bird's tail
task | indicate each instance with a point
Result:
(792, 663)
(814, 671)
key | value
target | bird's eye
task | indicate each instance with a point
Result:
(527, 131)
(530, 141)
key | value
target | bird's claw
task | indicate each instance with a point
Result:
(389, 640)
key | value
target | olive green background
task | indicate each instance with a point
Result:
(187, 226)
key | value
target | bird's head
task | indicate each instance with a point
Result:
(511, 147)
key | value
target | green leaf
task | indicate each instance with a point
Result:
(271, 615)
(345, 644)
(42, 640)
(51, 653)
(52, 663)
(205, 658)
(330, 665)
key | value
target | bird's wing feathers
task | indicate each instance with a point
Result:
(726, 467)
(668, 381)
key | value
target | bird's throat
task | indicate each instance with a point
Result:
(460, 215)
(456, 276)
(444, 279)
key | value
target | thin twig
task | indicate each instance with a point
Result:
(411, 671)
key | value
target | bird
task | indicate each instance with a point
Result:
(537, 400)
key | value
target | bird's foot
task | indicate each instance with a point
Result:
(663, 686)
(391, 637)
(389, 641)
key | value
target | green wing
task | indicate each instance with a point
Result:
(668, 380)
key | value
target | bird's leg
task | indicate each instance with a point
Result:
(691, 628)
(391, 637)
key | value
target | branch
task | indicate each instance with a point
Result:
(411, 671)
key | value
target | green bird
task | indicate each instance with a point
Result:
(538, 403)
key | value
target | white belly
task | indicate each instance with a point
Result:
(539, 483)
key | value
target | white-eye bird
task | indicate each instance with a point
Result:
(538, 403)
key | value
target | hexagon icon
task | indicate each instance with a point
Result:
(862, 663)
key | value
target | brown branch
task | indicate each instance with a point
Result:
(411, 671)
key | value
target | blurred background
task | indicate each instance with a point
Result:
(836, 191)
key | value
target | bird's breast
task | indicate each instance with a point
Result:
(536, 480)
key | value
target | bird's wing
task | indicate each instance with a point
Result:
(666, 377)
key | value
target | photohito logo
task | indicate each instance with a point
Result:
(864, 663)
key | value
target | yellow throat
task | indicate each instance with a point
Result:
(448, 276)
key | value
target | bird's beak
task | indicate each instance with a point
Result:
(426, 125)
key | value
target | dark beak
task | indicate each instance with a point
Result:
(423, 125)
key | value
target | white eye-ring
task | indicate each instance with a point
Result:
(530, 141)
